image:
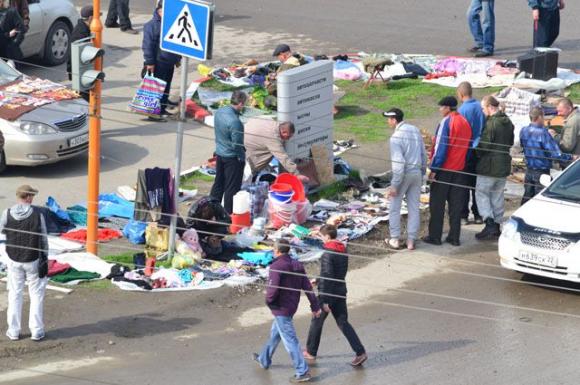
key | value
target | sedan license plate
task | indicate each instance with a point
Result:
(544, 260)
(78, 140)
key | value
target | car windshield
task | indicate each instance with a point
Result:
(7, 73)
(567, 186)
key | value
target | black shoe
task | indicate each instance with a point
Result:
(478, 220)
(490, 231)
(170, 103)
(431, 241)
(452, 242)
(483, 54)
(303, 378)
(474, 49)
(130, 31)
(112, 25)
(156, 118)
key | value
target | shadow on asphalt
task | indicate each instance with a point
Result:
(555, 284)
(136, 326)
(412, 351)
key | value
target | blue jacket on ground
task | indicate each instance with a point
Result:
(540, 148)
(152, 53)
(229, 134)
(472, 112)
(545, 4)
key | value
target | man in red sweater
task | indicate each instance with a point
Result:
(452, 140)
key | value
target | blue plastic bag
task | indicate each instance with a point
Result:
(55, 208)
(134, 231)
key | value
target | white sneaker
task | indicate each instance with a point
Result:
(37, 337)
(11, 337)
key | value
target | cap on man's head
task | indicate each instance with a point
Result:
(394, 113)
(448, 101)
(281, 48)
(87, 11)
(25, 190)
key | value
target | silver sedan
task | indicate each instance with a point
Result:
(48, 134)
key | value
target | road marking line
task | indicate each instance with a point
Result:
(50, 368)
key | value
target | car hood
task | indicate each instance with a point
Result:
(551, 214)
(56, 112)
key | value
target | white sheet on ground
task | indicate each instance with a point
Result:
(85, 262)
(205, 285)
(58, 245)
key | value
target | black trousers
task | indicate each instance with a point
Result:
(119, 9)
(532, 184)
(164, 71)
(228, 180)
(548, 28)
(446, 189)
(340, 314)
(470, 181)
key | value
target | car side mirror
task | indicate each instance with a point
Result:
(545, 180)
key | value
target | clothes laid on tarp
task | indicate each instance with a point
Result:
(55, 267)
(74, 275)
(103, 235)
(85, 262)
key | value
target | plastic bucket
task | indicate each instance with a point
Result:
(303, 211)
(240, 221)
(281, 192)
(294, 183)
(281, 214)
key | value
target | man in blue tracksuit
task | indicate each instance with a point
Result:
(471, 110)
(158, 62)
(546, 16)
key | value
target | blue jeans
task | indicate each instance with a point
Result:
(283, 329)
(482, 28)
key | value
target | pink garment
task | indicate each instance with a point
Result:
(55, 267)
(191, 238)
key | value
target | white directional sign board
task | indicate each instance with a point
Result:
(305, 98)
(187, 28)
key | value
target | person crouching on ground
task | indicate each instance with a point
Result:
(27, 249)
(332, 297)
(494, 164)
(409, 164)
(287, 278)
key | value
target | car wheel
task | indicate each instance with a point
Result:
(2, 161)
(57, 44)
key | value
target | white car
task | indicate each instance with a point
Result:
(47, 134)
(51, 23)
(543, 236)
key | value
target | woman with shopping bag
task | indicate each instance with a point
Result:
(158, 63)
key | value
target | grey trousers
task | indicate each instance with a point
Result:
(489, 193)
(411, 189)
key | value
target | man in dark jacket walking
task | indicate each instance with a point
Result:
(287, 278)
(230, 151)
(158, 62)
(332, 297)
(27, 249)
(119, 10)
(81, 31)
(12, 30)
(494, 164)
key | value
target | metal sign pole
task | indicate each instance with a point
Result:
(178, 152)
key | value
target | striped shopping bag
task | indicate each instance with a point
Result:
(147, 100)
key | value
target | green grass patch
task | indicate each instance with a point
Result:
(126, 259)
(213, 84)
(329, 192)
(574, 93)
(360, 110)
(189, 181)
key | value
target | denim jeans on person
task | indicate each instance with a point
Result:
(532, 184)
(481, 21)
(283, 329)
(18, 274)
(489, 192)
(411, 188)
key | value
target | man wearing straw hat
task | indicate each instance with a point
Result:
(27, 249)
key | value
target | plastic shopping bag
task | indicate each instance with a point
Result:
(147, 100)
(134, 231)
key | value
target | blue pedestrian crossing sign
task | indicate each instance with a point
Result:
(187, 28)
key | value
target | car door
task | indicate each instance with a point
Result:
(34, 39)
